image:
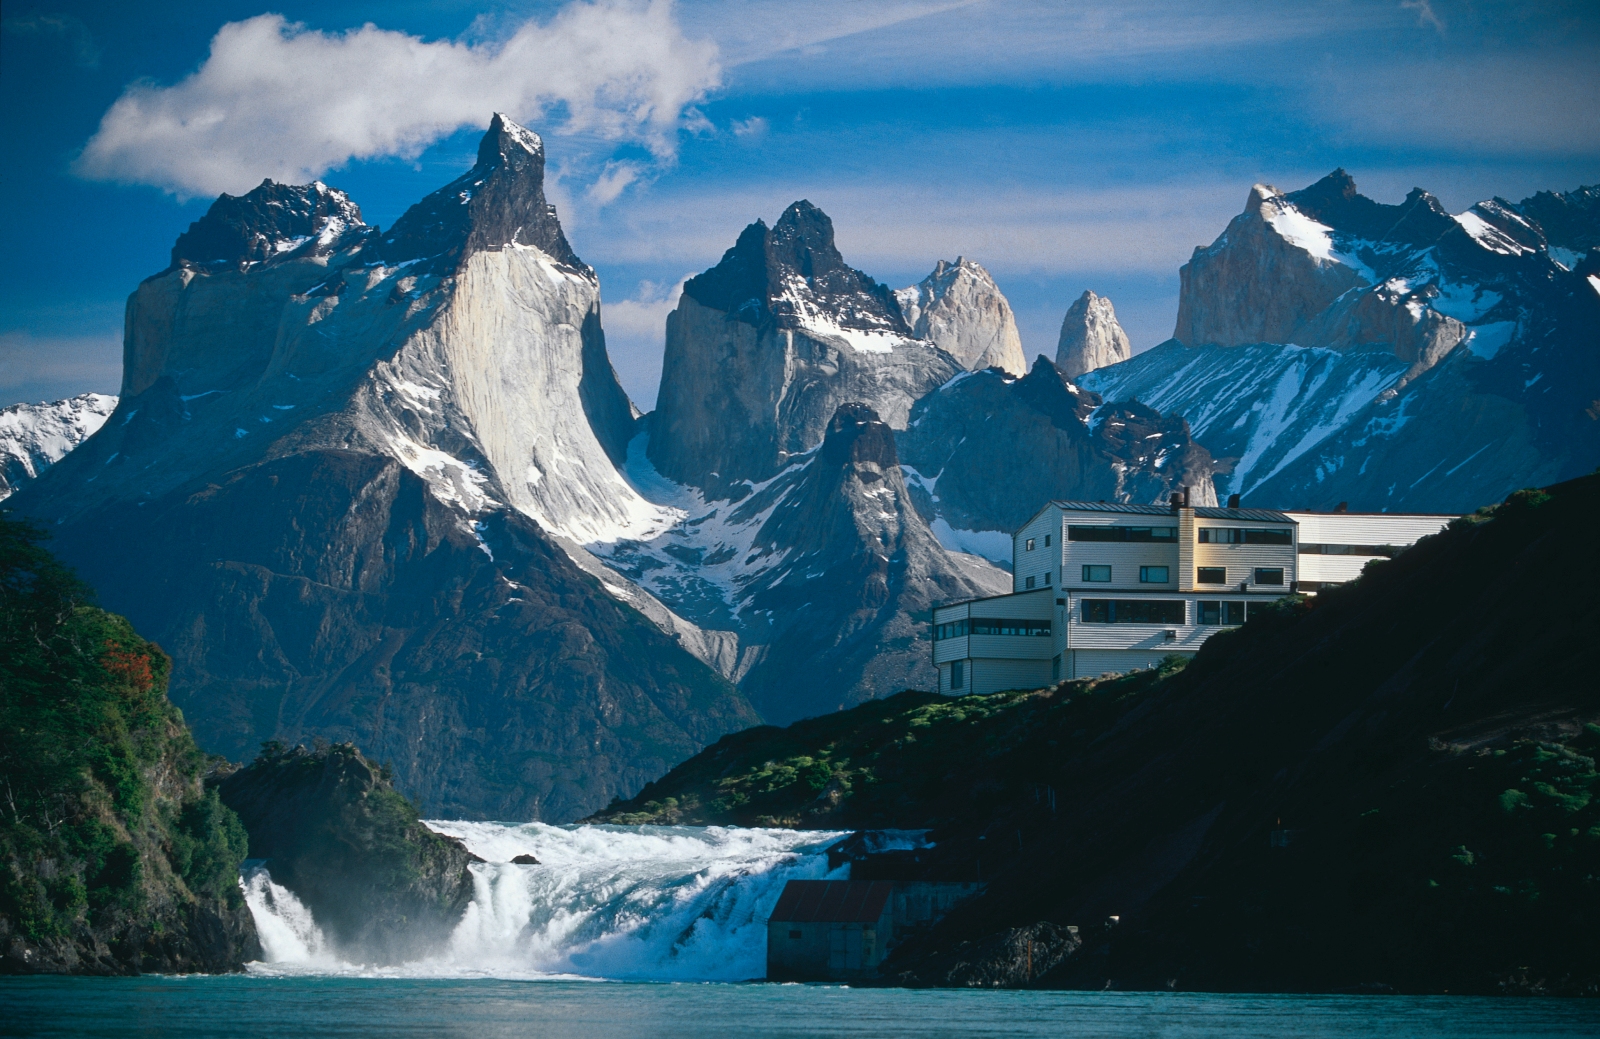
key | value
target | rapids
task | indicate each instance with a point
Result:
(653, 903)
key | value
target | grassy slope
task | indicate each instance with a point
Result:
(1427, 734)
(113, 856)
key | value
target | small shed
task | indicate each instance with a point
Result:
(829, 930)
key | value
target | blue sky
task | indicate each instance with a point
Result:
(1063, 145)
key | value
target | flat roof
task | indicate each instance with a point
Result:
(832, 901)
(1201, 511)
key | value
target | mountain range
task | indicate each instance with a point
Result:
(384, 486)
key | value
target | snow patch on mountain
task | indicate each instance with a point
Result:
(33, 437)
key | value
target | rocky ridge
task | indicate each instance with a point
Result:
(33, 437)
(1332, 348)
(1090, 337)
(960, 309)
(347, 467)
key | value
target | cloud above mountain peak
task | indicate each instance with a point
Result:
(277, 99)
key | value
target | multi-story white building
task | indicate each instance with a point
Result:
(1101, 587)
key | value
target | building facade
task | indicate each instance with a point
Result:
(838, 930)
(1102, 587)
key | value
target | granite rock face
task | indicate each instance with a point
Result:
(970, 475)
(33, 437)
(1331, 348)
(960, 309)
(1090, 337)
(764, 347)
(352, 478)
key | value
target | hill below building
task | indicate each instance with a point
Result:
(1387, 787)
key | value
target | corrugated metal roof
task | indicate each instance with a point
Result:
(832, 901)
(1203, 511)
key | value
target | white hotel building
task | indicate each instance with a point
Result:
(1101, 587)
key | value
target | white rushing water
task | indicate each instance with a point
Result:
(659, 903)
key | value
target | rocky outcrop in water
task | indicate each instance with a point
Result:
(334, 485)
(33, 437)
(960, 309)
(1017, 957)
(1392, 357)
(1090, 337)
(332, 829)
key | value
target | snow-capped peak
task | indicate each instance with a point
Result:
(33, 437)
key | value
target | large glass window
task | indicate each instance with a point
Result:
(1008, 626)
(1269, 575)
(1152, 575)
(1132, 611)
(1244, 536)
(1212, 575)
(1314, 549)
(1097, 573)
(1122, 533)
(1220, 613)
(949, 630)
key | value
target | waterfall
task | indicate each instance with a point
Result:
(660, 903)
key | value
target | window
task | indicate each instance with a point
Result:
(794, 934)
(1030, 544)
(1152, 575)
(958, 674)
(1212, 575)
(1008, 626)
(1055, 668)
(1313, 549)
(1220, 613)
(1047, 541)
(1047, 578)
(1132, 611)
(1030, 582)
(1097, 573)
(1122, 533)
(949, 630)
(1240, 536)
(1269, 575)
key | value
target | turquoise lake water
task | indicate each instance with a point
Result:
(491, 1009)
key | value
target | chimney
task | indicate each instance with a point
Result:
(1177, 501)
(1186, 497)
(1233, 501)
(1343, 506)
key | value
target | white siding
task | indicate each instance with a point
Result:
(1337, 528)
(1332, 569)
(1043, 559)
(1092, 663)
(993, 676)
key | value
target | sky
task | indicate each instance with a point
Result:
(1063, 145)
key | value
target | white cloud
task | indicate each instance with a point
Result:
(613, 180)
(276, 99)
(755, 126)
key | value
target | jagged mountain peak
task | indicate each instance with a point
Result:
(268, 221)
(960, 309)
(855, 435)
(1091, 336)
(792, 275)
(500, 202)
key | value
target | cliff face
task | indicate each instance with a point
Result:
(332, 829)
(346, 466)
(1393, 357)
(114, 859)
(960, 309)
(765, 346)
(1090, 337)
